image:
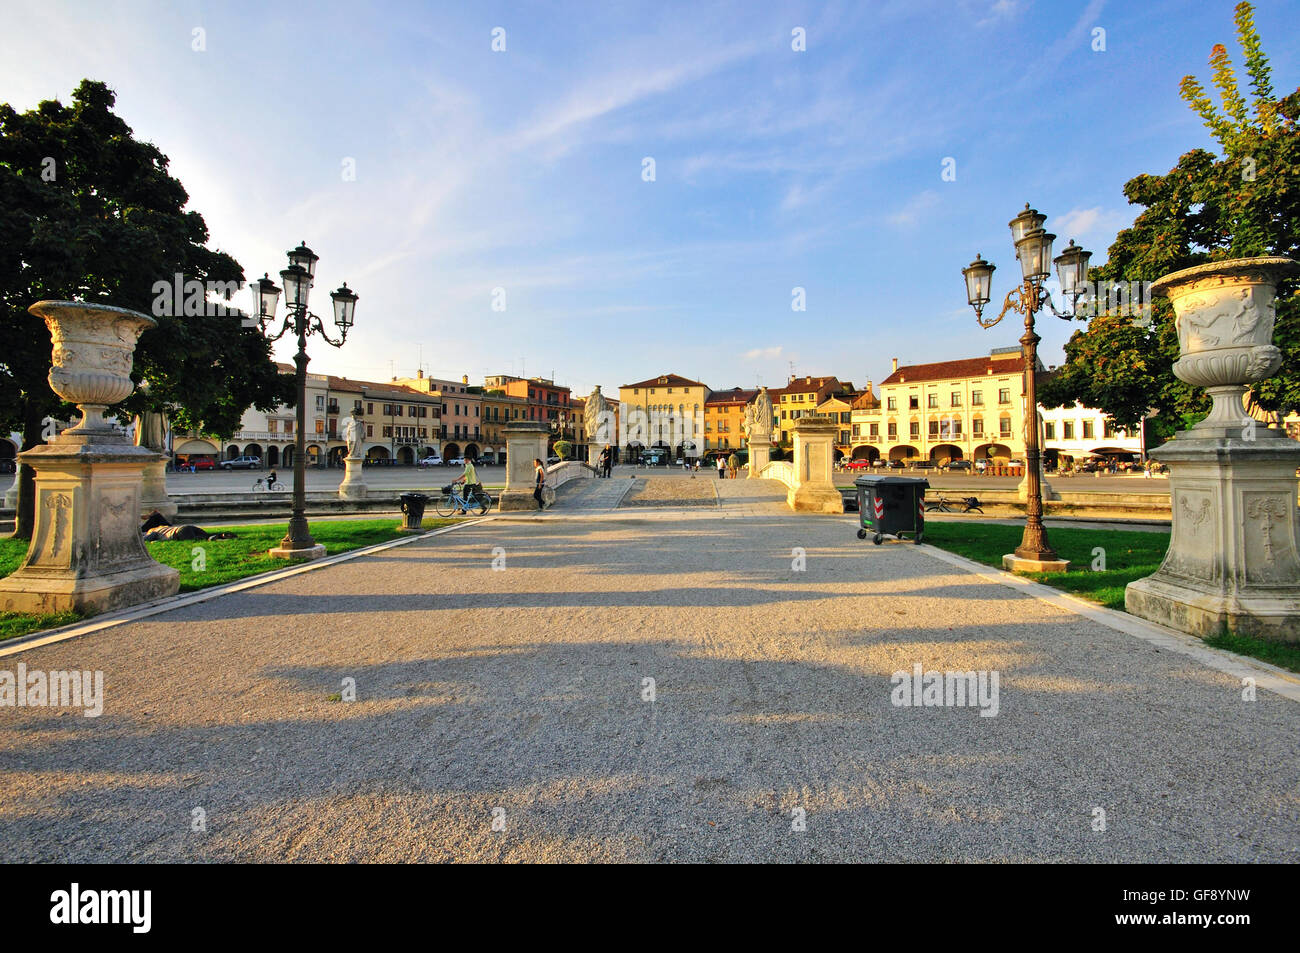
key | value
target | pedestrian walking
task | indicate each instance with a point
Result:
(722, 468)
(540, 484)
(608, 461)
(733, 465)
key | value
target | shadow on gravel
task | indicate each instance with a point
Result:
(563, 738)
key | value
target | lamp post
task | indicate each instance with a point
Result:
(1034, 250)
(297, 278)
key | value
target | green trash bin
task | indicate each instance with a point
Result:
(891, 506)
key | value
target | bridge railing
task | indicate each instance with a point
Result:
(782, 470)
(561, 473)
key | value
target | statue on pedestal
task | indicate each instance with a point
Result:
(352, 432)
(762, 408)
(594, 415)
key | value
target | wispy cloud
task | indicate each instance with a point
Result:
(1094, 224)
(763, 353)
(911, 213)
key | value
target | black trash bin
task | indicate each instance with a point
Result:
(413, 510)
(891, 506)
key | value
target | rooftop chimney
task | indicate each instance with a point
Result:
(895, 363)
(420, 374)
(464, 378)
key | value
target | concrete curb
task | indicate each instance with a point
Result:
(1275, 679)
(110, 619)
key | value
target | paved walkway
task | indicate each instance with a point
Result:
(603, 498)
(522, 693)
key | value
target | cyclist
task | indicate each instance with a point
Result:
(270, 479)
(470, 479)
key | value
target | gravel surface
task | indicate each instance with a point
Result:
(665, 491)
(522, 690)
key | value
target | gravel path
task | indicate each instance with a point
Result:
(521, 689)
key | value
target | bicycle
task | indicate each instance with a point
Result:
(970, 504)
(269, 487)
(452, 502)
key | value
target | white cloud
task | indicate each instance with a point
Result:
(912, 211)
(1083, 224)
(763, 353)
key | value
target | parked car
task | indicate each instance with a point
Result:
(242, 463)
(433, 460)
(198, 463)
(896, 464)
(456, 462)
(958, 465)
(857, 464)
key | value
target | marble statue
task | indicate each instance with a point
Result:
(352, 435)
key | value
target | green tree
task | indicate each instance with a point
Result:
(1243, 201)
(89, 212)
(563, 449)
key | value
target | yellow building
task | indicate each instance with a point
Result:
(966, 409)
(801, 397)
(666, 412)
(839, 408)
(724, 419)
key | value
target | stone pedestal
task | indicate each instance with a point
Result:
(525, 441)
(760, 452)
(1045, 488)
(305, 553)
(86, 552)
(153, 491)
(814, 453)
(1013, 563)
(1233, 563)
(353, 486)
(1234, 555)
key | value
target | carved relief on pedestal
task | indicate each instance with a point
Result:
(1193, 515)
(1267, 535)
(118, 537)
(52, 545)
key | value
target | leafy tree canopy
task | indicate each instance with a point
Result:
(88, 212)
(1242, 202)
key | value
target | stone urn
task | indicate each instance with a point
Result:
(94, 348)
(1233, 563)
(1225, 314)
(86, 552)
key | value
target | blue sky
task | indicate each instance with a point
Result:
(522, 169)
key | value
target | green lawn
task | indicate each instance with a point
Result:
(1129, 556)
(212, 563)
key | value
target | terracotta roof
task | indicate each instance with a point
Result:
(801, 385)
(736, 395)
(966, 367)
(668, 380)
(373, 388)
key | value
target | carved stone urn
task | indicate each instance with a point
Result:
(1234, 555)
(86, 552)
(1225, 321)
(94, 347)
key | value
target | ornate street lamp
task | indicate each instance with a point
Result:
(1034, 250)
(297, 280)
